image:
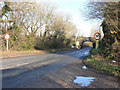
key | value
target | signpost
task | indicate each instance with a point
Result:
(7, 36)
(97, 37)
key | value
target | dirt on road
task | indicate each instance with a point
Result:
(64, 78)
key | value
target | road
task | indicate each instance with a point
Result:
(17, 72)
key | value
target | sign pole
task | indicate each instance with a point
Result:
(7, 36)
(97, 44)
(7, 45)
(97, 37)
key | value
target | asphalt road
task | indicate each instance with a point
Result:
(16, 72)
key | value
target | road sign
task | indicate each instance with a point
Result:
(97, 36)
(7, 36)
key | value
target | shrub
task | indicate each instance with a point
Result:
(95, 51)
(26, 46)
(90, 56)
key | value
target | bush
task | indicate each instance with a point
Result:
(96, 51)
(50, 42)
(26, 46)
(90, 56)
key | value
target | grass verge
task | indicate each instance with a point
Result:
(102, 66)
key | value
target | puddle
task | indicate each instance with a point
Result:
(83, 81)
(87, 53)
(84, 67)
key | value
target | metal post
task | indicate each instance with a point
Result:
(7, 45)
(97, 44)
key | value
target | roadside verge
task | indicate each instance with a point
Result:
(103, 66)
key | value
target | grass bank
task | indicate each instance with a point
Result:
(104, 66)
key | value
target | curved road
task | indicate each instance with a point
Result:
(16, 72)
